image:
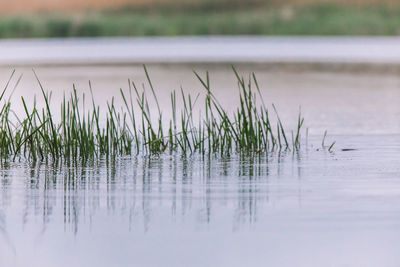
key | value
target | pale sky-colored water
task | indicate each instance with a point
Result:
(201, 49)
(312, 208)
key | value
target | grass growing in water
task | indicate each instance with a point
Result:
(83, 134)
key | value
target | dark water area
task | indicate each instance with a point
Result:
(309, 208)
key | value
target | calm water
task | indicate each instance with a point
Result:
(309, 209)
(201, 49)
(312, 208)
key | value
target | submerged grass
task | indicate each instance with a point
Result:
(83, 134)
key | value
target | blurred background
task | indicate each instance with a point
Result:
(88, 18)
(337, 59)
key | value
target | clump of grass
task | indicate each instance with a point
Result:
(92, 133)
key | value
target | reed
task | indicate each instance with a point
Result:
(82, 133)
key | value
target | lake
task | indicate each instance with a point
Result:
(313, 207)
(308, 209)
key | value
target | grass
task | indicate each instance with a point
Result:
(82, 133)
(255, 19)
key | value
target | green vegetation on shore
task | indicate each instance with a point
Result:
(82, 133)
(315, 19)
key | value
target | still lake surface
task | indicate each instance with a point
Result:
(312, 208)
(244, 49)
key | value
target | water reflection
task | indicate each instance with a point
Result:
(139, 189)
(122, 212)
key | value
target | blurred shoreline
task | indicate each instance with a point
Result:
(203, 18)
(28, 6)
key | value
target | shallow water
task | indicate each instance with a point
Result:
(312, 208)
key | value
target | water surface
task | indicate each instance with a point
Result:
(306, 209)
(381, 50)
(312, 208)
